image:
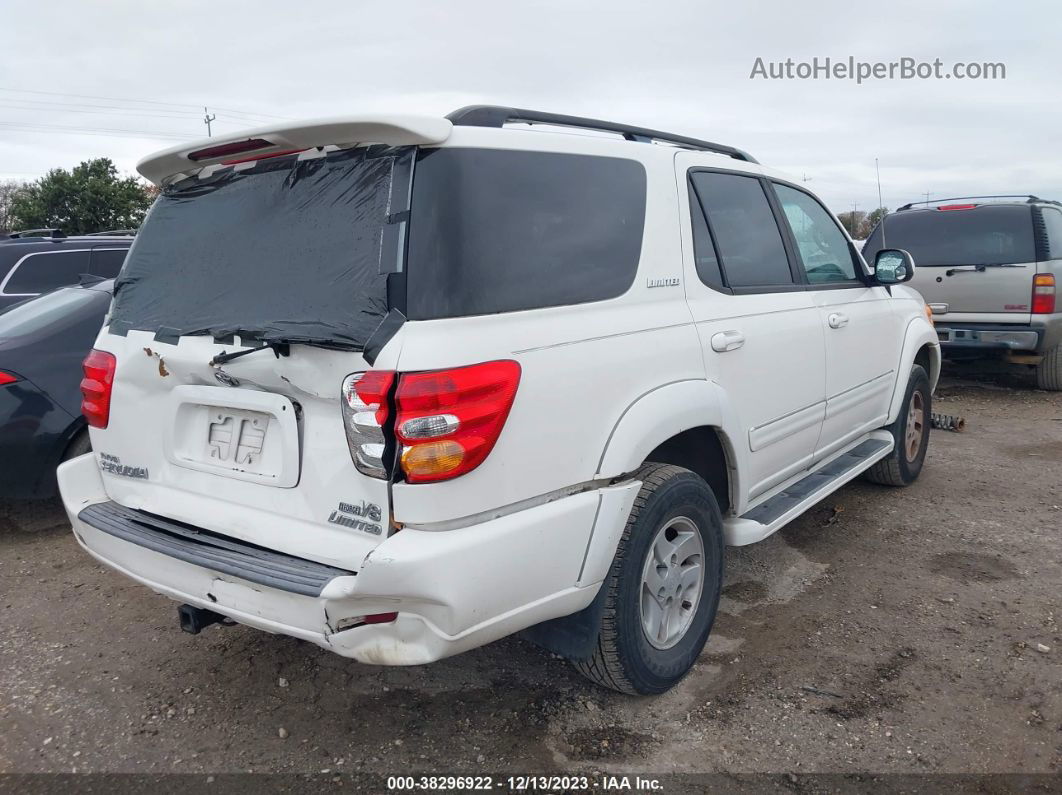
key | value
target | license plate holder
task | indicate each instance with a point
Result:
(240, 434)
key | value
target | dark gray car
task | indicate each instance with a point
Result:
(42, 344)
(39, 260)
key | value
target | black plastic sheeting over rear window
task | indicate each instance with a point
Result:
(986, 235)
(286, 249)
(499, 230)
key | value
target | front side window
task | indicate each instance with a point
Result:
(824, 251)
(495, 230)
(745, 231)
(39, 273)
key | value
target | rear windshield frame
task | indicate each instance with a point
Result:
(374, 262)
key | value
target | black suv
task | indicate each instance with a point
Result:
(37, 261)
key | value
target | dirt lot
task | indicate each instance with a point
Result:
(885, 631)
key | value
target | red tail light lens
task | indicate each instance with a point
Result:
(365, 402)
(946, 207)
(449, 420)
(99, 367)
(234, 148)
(7, 378)
(1043, 297)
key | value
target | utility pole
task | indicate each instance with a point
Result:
(207, 118)
(927, 194)
(805, 178)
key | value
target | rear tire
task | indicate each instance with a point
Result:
(659, 606)
(1049, 370)
(910, 432)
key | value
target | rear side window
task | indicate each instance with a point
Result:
(39, 273)
(985, 235)
(106, 262)
(705, 258)
(745, 231)
(500, 231)
(1053, 224)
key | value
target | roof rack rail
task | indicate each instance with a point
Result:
(113, 233)
(51, 232)
(1029, 198)
(499, 116)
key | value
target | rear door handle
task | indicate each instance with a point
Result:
(837, 320)
(727, 341)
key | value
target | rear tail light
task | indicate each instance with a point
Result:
(366, 408)
(1043, 297)
(96, 386)
(7, 378)
(946, 207)
(449, 420)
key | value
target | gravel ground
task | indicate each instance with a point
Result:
(905, 631)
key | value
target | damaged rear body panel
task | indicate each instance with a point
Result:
(292, 254)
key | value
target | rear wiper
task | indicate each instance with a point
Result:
(980, 268)
(282, 347)
(279, 349)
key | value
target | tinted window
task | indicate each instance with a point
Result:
(499, 231)
(285, 249)
(1053, 224)
(824, 251)
(989, 234)
(39, 273)
(745, 231)
(38, 313)
(703, 249)
(107, 262)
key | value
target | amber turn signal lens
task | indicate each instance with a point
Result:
(432, 458)
(929, 315)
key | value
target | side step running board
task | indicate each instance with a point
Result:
(797, 497)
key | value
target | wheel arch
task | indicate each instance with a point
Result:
(920, 346)
(668, 421)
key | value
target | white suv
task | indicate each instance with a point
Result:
(402, 386)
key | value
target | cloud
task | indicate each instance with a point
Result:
(681, 66)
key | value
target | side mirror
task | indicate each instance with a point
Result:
(893, 266)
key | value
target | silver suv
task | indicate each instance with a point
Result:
(988, 267)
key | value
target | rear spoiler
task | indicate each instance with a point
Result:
(394, 130)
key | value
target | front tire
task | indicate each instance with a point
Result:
(663, 589)
(910, 431)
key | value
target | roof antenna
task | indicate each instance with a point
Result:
(881, 206)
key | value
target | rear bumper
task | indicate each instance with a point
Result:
(453, 590)
(1037, 336)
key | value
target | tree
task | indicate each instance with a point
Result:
(8, 188)
(853, 222)
(90, 198)
(874, 217)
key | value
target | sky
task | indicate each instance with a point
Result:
(123, 78)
